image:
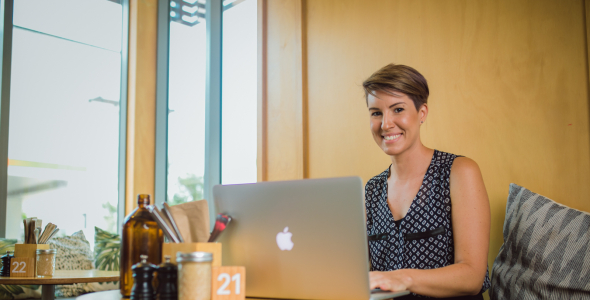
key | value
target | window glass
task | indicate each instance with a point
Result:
(64, 123)
(186, 103)
(239, 92)
(187, 87)
(93, 22)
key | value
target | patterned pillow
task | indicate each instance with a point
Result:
(107, 249)
(546, 250)
(73, 253)
(16, 291)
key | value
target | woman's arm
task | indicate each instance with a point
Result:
(471, 231)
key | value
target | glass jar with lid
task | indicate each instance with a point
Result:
(45, 262)
(194, 275)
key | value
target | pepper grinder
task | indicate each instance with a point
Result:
(143, 274)
(167, 280)
(5, 271)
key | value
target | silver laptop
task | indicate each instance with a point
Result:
(302, 239)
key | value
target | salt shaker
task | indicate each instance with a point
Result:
(167, 280)
(194, 275)
(5, 271)
(143, 274)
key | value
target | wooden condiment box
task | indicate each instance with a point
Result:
(172, 248)
(29, 250)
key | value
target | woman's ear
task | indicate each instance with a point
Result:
(423, 112)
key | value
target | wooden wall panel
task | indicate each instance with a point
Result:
(285, 102)
(262, 137)
(509, 88)
(508, 81)
(141, 101)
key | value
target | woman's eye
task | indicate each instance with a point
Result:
(375, 114)
(398, 110)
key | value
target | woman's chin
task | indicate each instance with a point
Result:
(392, 150)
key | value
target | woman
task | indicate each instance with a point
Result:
(428, 214)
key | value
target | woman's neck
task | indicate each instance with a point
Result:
(411, 163)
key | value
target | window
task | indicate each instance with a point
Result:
(63, 146)
(212, 123)
(186, 103)
(239, 93)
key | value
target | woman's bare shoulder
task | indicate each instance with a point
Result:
(465, 173)
(464, 166)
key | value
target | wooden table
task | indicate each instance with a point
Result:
(63, 277)
(112, 295)
(116, 295)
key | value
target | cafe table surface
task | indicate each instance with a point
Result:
(113, 295)
(62, 277)
(108, 295)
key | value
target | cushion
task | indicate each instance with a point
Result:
(107, 249)
(73, 253)
(16, 291)
(545, 254)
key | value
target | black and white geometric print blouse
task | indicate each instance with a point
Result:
(423, 239)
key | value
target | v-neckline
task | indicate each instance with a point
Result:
(413, 200)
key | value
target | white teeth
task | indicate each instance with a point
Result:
(391, 137)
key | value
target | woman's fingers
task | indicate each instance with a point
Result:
(387, 281)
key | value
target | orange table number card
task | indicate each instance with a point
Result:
(228, 283)
(22, 267)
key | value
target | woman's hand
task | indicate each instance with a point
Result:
(390, 281)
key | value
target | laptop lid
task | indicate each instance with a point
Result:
(302, 239)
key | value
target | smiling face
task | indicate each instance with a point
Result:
(395, 122)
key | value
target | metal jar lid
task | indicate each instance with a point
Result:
(46, 251)
(194, 257)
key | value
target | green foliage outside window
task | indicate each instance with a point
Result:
(191, 188)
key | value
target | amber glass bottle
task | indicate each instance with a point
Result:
(141, 236)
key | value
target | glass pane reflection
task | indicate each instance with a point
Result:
(63, 139)
(186, 115)
(93, 22)
(239, 93)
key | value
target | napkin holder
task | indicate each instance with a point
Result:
(29, 251)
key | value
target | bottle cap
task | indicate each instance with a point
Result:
(143, 199)
(46, 251)
(194, 257)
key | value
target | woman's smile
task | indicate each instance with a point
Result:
(391, 138)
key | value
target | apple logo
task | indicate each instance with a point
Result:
(284, 239)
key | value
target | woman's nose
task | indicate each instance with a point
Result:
(387, 121)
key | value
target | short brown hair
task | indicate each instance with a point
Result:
(398, 78)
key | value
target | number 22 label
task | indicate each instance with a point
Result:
(22, 265)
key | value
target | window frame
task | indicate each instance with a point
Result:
(213, 98)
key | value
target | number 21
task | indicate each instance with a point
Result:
(222, 289)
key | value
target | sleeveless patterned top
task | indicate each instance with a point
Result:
(423, 239)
